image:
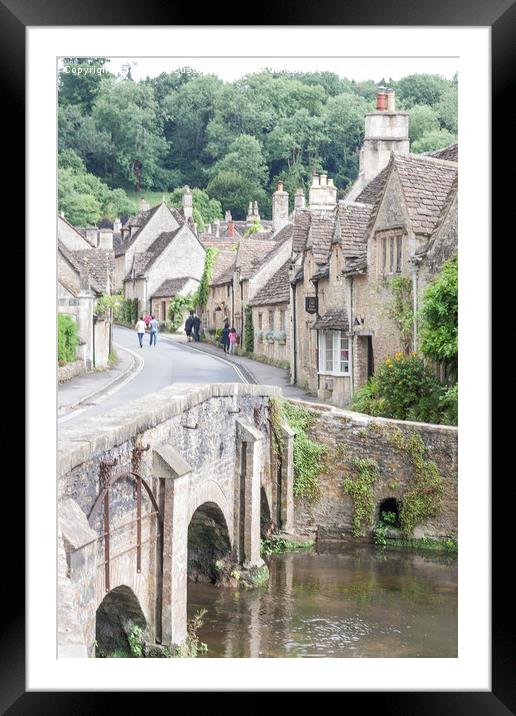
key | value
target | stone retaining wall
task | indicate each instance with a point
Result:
(70, 370)
(349, 435)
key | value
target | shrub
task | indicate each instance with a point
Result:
(449, 405)
(67, 338)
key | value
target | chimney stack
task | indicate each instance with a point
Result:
(381, 99)
(92, 235)
(256, 213)
(105, 239)
(231, 228)
(217, 227)
(187, 203)
(299, 199)
(250, 213)
(144, 205)
(117, 225)
(279, 208)
(323, 193)
(227, 216)
(391, 100)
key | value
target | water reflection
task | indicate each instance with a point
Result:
(353, 601)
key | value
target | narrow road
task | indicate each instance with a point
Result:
(166, 363)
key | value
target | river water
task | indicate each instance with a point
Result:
(357, 601)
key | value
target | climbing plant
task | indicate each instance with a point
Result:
(423, 499)
(248, 330)
(360, 489)
(67, 338)
(308, 455)
(201, 295)
(176, 308)
(401, 309)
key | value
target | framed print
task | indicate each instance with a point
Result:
(255, 225)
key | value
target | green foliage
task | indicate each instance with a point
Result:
(201, 295)
(423, 498)
(255, 228)
(106, 303)
(192, 646)
(401, 310)
(433, 140)
(402, 388)
(360, 489)
(176, 310)
(439, 317)
(422, 120)
(248, 329)
(136, 641)
(67, 338)
(308, 455)
(235, 190)
(420, 89)
(80, 79)
(282, 545)
(125, 310)
(208, 209)
(449, 404)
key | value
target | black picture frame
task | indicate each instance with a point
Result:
(500, 15)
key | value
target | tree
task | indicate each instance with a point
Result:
(447, 109)
(439, 318)
(422, 120)
(431, 141)
(234, 191)
(244, 156)
(420, 89)
(79, 81)
(208, 209)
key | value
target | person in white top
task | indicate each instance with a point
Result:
(140, 330)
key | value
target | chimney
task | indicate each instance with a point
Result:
(391, 100)
(92, 235)
(117, 225)
(381, 99)
(299, 199)
(144, 205)
(256, 213)
(217, 227)
(187, 203)
(105, 239)
(386, 131)
(250, 213)
(207, 228)
(227, 216)
(231, 228)
(323, 193)
(279, 208)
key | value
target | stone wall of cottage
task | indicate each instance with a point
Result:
(443, 246)
(162, 221)
(306, 337)
(183, 257)
(277, 348)
(218, 295)
(347, 436)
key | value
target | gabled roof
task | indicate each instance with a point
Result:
(97, 264)
(320, 236)
(426, 183)
(353, 220)
(140, 221)
(276, 290)
(144, 260)
(301, 227)
(172, 286)
(450, 153)
(223, 268)
(371, 191)
(250, 255)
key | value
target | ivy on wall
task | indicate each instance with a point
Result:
(201, 295)
(360, 489)
(401, 309)
(248, 330)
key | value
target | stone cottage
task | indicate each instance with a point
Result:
(271, 316)
(84, 274)
(158, 245)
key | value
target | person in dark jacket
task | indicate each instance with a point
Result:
(189, 326)
(224, 337)
(196, 325)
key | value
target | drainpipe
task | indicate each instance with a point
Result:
(414, 307)
(352, 331)
(316, 284)
(293, 371)
(93, 341)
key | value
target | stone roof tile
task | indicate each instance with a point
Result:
(276, 290)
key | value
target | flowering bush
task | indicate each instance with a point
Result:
(269, 336)
(280, 336)
(404, 389)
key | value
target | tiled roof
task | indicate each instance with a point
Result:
(276, 247)
(99, 264)
(298, 275)
(250, 256)
(302, 218)
(276, 290)
(322, 227)
(450, 153)
(353, 221)
(323, 271)
(121, 245)
(144, 260)
(211, 241)
(171, 287)
(223, 267)
(370, 192)
(426, 183)
(335, 319)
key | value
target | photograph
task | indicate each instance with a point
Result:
(257, 307)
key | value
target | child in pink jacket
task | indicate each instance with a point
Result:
(233, 340)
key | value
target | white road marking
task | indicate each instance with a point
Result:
(222, 360)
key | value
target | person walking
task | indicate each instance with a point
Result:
(224, 337)
(233, 340)
(153, 325)
(140, 330)
(196, 325)
(189, 326)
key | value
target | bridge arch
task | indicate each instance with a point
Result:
(208, 542)
(117, 616)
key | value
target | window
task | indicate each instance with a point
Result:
(334, 353)
(271, 320)
(391, 256)
(260, 322)
(282, 321)
(399, 246)
(384, 255)
(228, 290)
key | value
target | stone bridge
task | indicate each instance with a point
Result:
(158, 489)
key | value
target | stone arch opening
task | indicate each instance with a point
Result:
(389, 512)
(117, 615)
(208, 542)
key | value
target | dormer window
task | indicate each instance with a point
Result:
(389, 252)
